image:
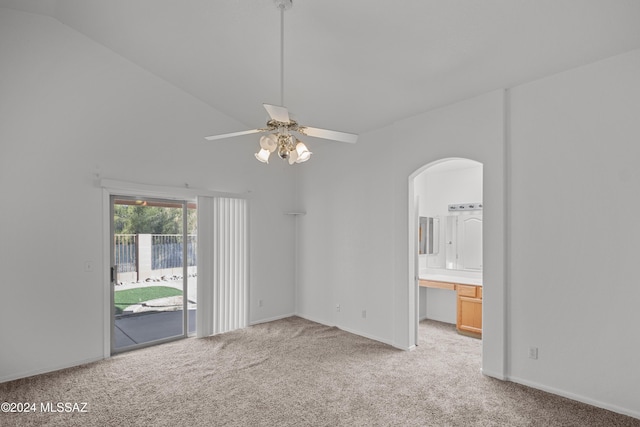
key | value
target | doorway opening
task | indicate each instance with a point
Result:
(153, 271)
(446, 201)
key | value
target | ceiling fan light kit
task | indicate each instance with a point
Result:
(288, 147)
(281, 126)
(283, 4)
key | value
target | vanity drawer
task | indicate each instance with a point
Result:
(467, 291)
(438, 285)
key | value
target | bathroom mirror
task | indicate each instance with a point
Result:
(459, 236)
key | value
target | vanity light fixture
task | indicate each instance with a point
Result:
(465, 207)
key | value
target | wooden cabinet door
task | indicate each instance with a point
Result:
(469, 310)
(470, 315)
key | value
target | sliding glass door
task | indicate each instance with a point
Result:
(153, 271)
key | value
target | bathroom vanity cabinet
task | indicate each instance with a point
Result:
(468, 308)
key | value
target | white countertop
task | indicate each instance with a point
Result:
(452, 279)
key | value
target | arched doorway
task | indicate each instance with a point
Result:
(445, 199)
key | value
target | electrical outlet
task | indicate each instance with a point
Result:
(338, 308)
(260, 303)
(533, 352)
(364, 314)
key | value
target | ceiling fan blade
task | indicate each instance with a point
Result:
(232, 134)
(277, 113)
(351, 138)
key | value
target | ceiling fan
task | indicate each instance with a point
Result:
(281, 127)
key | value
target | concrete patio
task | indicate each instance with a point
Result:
(156, 319)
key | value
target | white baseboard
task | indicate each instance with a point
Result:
(311, 319)
(41, 371)
(351, 331)
(372, 337)
(271, 319)
(497, 375)
(576, 397)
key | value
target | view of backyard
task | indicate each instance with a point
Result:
(129, 297)
(150, 254)
(149, 267)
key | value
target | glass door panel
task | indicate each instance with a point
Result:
(153, 268)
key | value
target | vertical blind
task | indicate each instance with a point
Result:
(223, 265)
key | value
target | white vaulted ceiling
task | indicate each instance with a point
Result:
(350, 65)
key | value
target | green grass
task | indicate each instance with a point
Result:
(123, 299)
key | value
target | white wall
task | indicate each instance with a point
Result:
(574, 233)
(70, 109)
(345, 242)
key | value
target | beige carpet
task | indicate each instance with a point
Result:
(293, 372)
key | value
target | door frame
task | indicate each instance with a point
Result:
(124, 188)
